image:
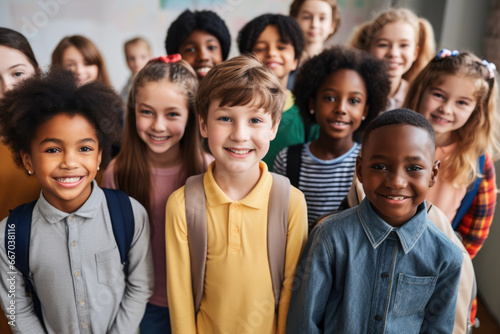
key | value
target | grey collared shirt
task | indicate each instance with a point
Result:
(77, 273)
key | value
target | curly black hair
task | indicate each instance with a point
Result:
(39, 98)
(288, 29)
(204, 20)
(314, 71)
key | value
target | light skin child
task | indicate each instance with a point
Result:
(276, 54)
(397, 174)
(202, 51)
(161, 116)
(315, 20)
(14, 67)
(137, 55)
(74, 61)
(339, 108)
(65, 156)
(238, 138)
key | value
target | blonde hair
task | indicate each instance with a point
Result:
(135, 41)
(479, 135)
(364, 35)
(239, 81)
(132, 171)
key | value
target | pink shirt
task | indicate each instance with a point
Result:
(443, 194)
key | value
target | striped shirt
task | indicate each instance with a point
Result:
(324, 183)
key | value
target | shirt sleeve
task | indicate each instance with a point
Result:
(296, 240)
(280, 163)
(140, 278)
(312, 285)
(475, 225)
(179, 290)
(16, 302)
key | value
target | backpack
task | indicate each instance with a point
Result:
(293, 162)
(19, 225)
(277, 230)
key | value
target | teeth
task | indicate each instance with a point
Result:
(158, 138)
(68, 179)
(396, 198)
(203, 69)
(339, 123)
(239, 151)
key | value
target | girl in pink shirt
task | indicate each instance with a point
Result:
(161, 148)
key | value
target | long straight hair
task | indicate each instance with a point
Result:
(132, 169)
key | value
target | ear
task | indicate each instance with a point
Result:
(295, 64)
(203, 127)
(332, 28)
(417, 51)
(27, 163)
(99, 157)
(434, 173)
(359, 166)
(274, 130)
(365, 113)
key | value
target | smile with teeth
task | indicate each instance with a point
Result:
(439, 119)
(395, 198)
(203, 70)
(238, 151)
(68, 179)
(158, 138)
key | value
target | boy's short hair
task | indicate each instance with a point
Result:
(204, 20)
(239, 81)
(400, 117)
(38, 99)
(134, 41)
(288, 29)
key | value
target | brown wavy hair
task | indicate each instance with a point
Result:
(364, 35)
(479, 135)
(295, 9)
(132, 170)
(89, 51)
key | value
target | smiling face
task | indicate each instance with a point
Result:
(275, 54)
(397, 168)
(340, 105)
(14, 67)
(396, 44)
(238, 137)
(161, 113)
(74, 61)
(64, 157)
(137, 56)
(202, 51)
(448, 105)
(315, 20)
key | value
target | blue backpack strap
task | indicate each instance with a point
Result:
(19, 226)
(122, 220)
(470, 195)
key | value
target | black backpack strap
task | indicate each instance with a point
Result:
(122, 220)
(17, 243)
(293, 162)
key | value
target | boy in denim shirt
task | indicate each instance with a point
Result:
(382, 267)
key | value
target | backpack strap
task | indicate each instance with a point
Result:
(293, 162)
(19, 220)
(196, 223)
(122, 220)
(469, 196)
(277, 232)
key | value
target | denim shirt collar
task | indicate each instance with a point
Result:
(377, 230)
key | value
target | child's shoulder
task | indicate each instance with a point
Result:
(443, 244)
(341, 222)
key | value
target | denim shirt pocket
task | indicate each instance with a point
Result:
(412, 293)
(109, 266)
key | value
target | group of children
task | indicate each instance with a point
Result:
(219, 244)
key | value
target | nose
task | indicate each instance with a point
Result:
(446, 107)
(239, 132)
(341, 107)
(69, 161)
(315, 21)
(202, 54)
(159, 124)
(394, 51)
(396, 180)
(272, 51)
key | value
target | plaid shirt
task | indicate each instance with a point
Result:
(475, 225)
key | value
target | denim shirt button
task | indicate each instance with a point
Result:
(384, 275)
(378, 317)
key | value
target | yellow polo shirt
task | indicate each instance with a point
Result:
(238, 294)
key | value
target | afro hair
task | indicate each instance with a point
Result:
(204, 20)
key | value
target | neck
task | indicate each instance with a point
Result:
(284, 81)
(312, 50)
(444, 139)
(395, 83)
(237, 185)
(327, 148)
(167, 159)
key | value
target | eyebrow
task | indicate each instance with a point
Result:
(59, 141)
(334, 90)
(411, 159)
(460, 97)
(14, 66)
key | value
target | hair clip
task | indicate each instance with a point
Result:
(491, 67)
(446, 53)
(173, 58)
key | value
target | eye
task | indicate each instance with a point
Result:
(86, 149)
(379, 167)
(404, 45)
(329, 98)
(146, 112)
(18, 74)
(462, 103)
(383, 45)
(354, 100)
(52, 150)
(224, 119)
(212, 47)
(414, 168)
(173, 114)
(189, 50)
(259, 49)
(438, 95)
(255, 120)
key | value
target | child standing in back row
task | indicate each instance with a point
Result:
(382, 266)
(137, 54)
(342, 90)
(60, 130)
(236, 288)
(161, 149)
(404, 41)
(278, 42)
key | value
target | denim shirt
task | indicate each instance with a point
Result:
(358, 274)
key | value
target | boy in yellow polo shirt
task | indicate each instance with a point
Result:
(239, 104)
